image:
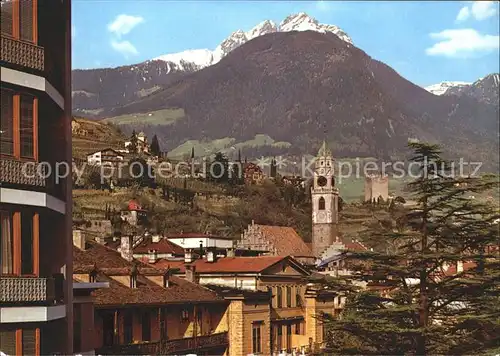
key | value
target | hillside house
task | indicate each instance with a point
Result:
(105, 156)
(135, 215)
(253, 174)
(142, 143)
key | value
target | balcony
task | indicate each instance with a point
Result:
(31, 290)
(22, 173)
(21, 53)
(169, 347)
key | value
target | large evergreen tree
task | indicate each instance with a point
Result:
(416, 299)
(133, 145)
(155, 146)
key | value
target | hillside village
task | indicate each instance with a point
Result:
(204, 202)
(260, 240)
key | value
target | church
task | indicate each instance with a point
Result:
(325, 202)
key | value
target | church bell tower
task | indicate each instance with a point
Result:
(325, 198)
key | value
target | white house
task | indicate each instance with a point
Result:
(107, 155)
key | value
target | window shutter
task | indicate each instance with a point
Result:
(7, 122)
(29, 342)
(26, 20)
(6, 17)
(8, 342)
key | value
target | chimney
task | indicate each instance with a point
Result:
(133, 276)
(126, 248)
(166, 278)
(191, 273)
(460, 266)
(230, 252)
(155, 238)
(211, 255)
(79, 239)
(188, 255)
(152, 256)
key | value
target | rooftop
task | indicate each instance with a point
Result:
(109, 263)
(286, 240)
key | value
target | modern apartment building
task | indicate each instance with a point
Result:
(35, 206)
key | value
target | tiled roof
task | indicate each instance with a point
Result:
(162, 246)
(192, 235)
(226, 264)
(355, 246)
(110, 263)
(286, 240)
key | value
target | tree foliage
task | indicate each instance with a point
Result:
(155, 146)
(413, 298)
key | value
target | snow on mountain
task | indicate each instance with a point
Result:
(198, 57)
(303, 22)
(441, 88)
(261, 29)
(204, 57)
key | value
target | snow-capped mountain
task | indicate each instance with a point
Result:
(484, 89)
(303, 22)
(443, 87)
(201, 58)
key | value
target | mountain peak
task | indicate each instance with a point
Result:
(304, 22)
(262, 28)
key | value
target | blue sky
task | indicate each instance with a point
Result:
(426, 42)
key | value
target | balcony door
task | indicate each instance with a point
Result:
(19, 19)
(19, 242)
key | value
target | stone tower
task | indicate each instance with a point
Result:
(325, 198)
(376, 185)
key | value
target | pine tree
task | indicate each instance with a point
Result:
(132, 147)
(414, 302)
(155, 146)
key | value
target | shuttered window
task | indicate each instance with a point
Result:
(7, 122)
(26, 20)
(19, 19)
(29, 342)
(18, 125)
(27, 126)
(19, 342)
(8, 342)
(6, 18)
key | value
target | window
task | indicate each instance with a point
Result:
(18, 229)
(298, 298)
(297, 328)
(6, 19)
(184, 315)
(18, 125)
(26, 243)
(128, 327)
(29, 339)
(288, 297)
(6, 243)
(7, 121)
(289, 338)
(26, 130)
(21, 26)
(146, 326)
(279, 338)
(279, 298)
(256, 338)
(321, 203)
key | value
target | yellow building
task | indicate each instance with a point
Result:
(272, 306)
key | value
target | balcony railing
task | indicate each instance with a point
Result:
(21, 53)
(29, 289)
(168, 347)
(22, 173)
